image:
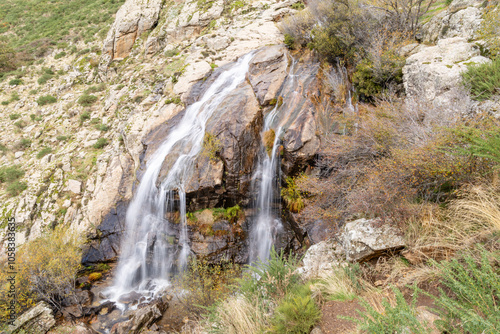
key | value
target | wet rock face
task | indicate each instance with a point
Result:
(132, 19)
(222, 173)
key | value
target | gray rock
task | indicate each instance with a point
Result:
(132, 19)
(434, 73)
(74, 186)
(461, 19)
(321, 259)
(141, 319)
(364, 239)
(37, 320)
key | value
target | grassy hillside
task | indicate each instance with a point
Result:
(30, 28)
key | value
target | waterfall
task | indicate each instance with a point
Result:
(267, 180)
(149, 252)
(268, 223)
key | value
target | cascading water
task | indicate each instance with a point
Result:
(149, 254)
(267, 182)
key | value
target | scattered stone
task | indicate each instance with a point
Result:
(74, 186)
(19, 154)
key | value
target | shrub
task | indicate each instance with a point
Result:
(483, 80)
(95, 89)
(87, 100)
(396, 317)
(102, 127)
(46, 99)
(24, 143)
(20, 124)
(60, 55)
(9, 174)
(206, 284)
(44, 152)
(171, 53)
(84, 116)
(489, 30)
(62, 138)
(175, 99)
(271, 280)
(15, 82)
(290, 41)
(472, 306)
(101, 142)
(479, 142)
(211, 147)
(46, 270)
(44, 78)
(16, 187)
(95, 277)
(296, 314)
(14, 116)
(291, 195)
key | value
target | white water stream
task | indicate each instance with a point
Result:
(149, 253)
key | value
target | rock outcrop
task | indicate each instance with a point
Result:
(434, 72)
(462, 19)
(132, 19)
(37, 320)
(360, 240)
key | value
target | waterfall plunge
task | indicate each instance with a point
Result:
(148, 253)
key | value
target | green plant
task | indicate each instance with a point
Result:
(20, 124)
(9, 174)
(206, 284)
(44, 78)
(291, 195)
(60, 55)
(211, 147)
(396, 317)
(95, 277)
(14, 116)
(24, 143)
(271, 279)
(473, 304)
(101, 142)
(171, 53)
(290, 41)
(15, 82)
(483, 80)
(16, 187)
(46, 99)
(95, 89)
(175, 99)
(297, 313)
(46, 270)
(87, 100)
(84, 116)
(490, 29)
(43, 152)
(62, 138)
(298, 5)
(102, 127)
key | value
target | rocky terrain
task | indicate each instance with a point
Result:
(79, 130)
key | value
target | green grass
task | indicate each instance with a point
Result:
(46, 99)
(87, 100)
(35, 26)
(101, 142)
(43, 152)
(483, 80)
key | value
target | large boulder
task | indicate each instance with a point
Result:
(433, 74)
(142, 318)
(364, 239)
(321, 259)
(132, 19)
(461, 19)
(37, 320)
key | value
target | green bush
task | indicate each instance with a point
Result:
(479, 143)
(62, 138)
(291, 195)
(20, 124)
(296, 314)
(43, 152)
(101, 142)
(102, 127)
(60, 55)
(290, 41)
(400, 318)
(14, 116)
(87, 100)
(24, 143)
(16, 187)
(46, 99)
(84, 116)
(44, 78)
(271, 280)
(473, 303)
(15, 82)
(9, 174)
(95, 89)
(483, 80)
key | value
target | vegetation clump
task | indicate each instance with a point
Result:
(46, 99)
(483, 80)
(87, 100)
